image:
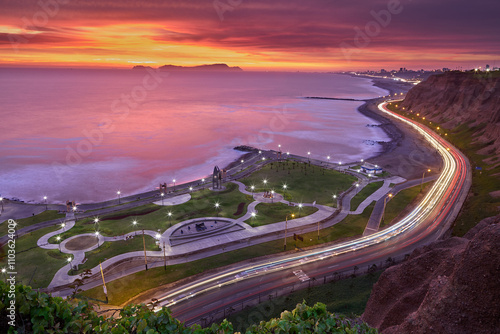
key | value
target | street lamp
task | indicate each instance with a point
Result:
(70, 263)
(328, 158)
(97, 236)
(217, 205)
(300, 208)
(309, 156)
(45, 199)
(334, 200)
(357, 187)
(58, 238)
(134, 223)
(253, 214)
(422, 182)
(1, 201)
(190, 189)
(118, 193)
(252, 187)
(385, 202)
(284, 190)
(162, 195)
(272, 196)
(63, 225)
(169, 214)
(174, 183)
(286, 227)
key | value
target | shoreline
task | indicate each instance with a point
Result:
(393, 133)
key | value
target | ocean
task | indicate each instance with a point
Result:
(82, 134)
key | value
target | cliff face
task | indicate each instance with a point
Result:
(456, 98)
(450, 286)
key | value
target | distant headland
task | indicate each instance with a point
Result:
(209, 67)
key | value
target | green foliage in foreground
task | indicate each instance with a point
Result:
(36, 312)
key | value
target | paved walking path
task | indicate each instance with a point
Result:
(233, 234)
(378, 194)
(215, 240)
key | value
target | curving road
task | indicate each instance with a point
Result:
(426, 223)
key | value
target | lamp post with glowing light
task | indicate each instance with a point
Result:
(58, 238)
(45, 199)
(422, 182)
(286, 227)
(162, 195)
(134, 223)
(97, 236)
(284, 190)
(70, 262)
(300, 208)
(385, 203)
(217, 206)
(119, 195)
(169, 214)
(252, 188)
(334, 200)
(174, 183)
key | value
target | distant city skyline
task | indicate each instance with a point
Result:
(290, 35)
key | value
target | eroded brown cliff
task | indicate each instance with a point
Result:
(458, 98)
(450, 286)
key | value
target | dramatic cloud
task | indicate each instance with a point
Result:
(283, 34)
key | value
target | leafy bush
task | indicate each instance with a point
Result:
(37, 312)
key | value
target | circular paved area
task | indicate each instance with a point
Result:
(260, 197)
(81, 243)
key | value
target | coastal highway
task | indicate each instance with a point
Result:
(429, 220)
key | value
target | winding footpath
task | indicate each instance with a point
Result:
(235, 234)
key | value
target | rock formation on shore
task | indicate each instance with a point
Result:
(462, 98)
(209, 67)
(450, 286)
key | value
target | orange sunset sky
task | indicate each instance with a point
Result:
(307, 35)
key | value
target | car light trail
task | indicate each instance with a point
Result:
(432, 210)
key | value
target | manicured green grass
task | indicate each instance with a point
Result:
(305, 183)
(347, 296)
(35, 266)
(479, 204)
(364, 193)
(41, 217)
(121, 290)
(154, 217)
(396, 206)
(269, 213)
(109, 249)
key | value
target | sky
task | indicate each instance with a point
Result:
(291, 35)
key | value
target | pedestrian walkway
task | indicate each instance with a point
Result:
(181, 199)
(212, 244)
(378, 194)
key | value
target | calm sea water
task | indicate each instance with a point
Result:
(84, 134)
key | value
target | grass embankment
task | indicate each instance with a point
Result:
(41, 217)
(121, 290)
(268, 213)
(109, 249)
(154, 217)
(400, 204)
(305, 183)
(479, 204)
(35, 266)
(364, 193)
(347, 296)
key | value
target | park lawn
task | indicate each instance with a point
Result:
(346, 296)
(110, 249)
(121, 291)
(35, 266)
(397, 206)
(364, 193)
(154, 217)
(269, 213)
(41, 217)
(305, 183)
(479, 204)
